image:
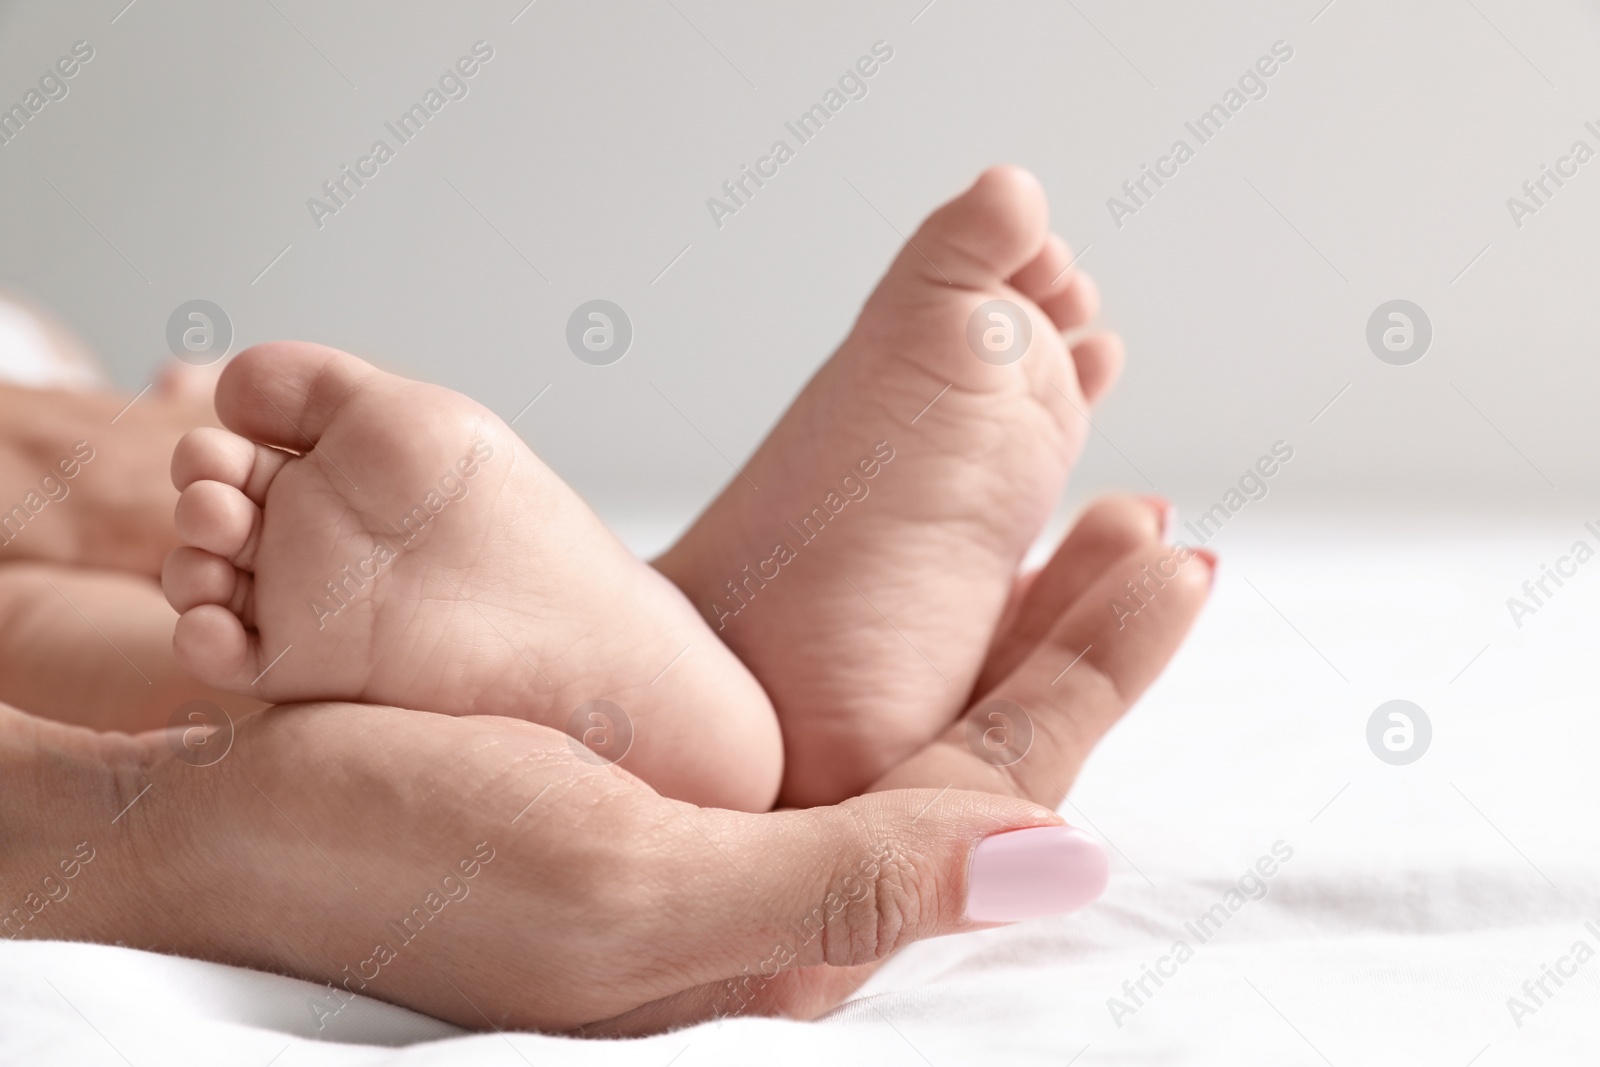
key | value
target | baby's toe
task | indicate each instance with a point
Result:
(192, 577)
(1098, 358)
(1062, 291)
(219, 519)
(212, 645)
(213, 455)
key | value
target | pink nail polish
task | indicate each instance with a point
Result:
(1210, 559)
(1043, 870)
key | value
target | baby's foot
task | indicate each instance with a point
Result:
(862, 580)
(412, 551)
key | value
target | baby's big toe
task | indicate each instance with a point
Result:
(984, 236)
(285, 393)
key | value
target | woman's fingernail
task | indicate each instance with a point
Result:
(1043, 870)
(1166, 514)
(1209, 558)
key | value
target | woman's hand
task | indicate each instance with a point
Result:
(487, 872)
(478, 869)
(84, 477)
(86, 520)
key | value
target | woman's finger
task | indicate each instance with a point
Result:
(1109, 529)
(1029, 735)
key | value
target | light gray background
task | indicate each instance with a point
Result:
(1377, 167)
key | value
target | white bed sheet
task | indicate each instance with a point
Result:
(1417, 901)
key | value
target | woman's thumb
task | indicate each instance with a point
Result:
(849, 884)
